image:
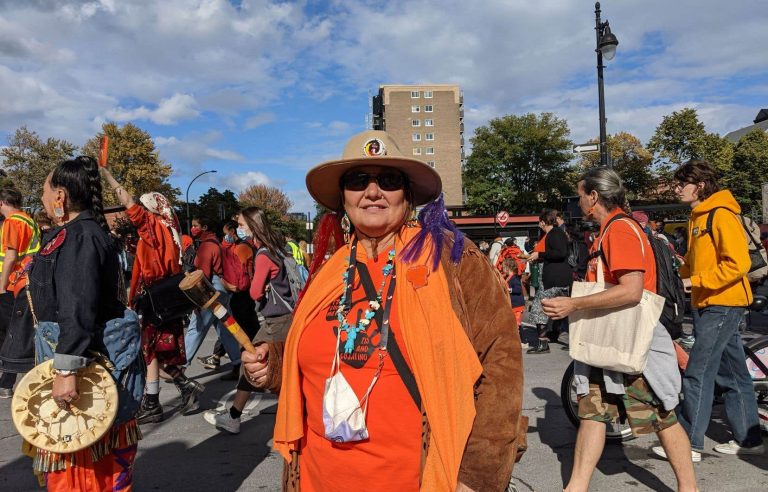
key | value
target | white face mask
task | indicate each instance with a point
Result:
(343, 414)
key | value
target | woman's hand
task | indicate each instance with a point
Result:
(687, 285)
(65, 390)
(533, 256)
(558, 307)
(256, 365)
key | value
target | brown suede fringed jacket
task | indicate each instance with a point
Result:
(480, 299)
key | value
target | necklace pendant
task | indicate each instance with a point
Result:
(349, 345)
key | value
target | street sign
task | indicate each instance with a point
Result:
(586, 148)
(502, 218)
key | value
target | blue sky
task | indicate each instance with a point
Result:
(262, 90)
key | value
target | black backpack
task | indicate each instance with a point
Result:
(573, 256)
(669, 285)
(188, 258)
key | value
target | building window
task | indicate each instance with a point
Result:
(431, 164)
(415, 123)
(430, 151)
(417, 151)
(415, 108)
(429, 136)
(416, 137)
(429, 123)
(427, 94)
(428, 108)
(415, 94)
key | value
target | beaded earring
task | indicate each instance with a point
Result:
(58, 209)
(346, 226)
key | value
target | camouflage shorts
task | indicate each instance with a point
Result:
(644, 412)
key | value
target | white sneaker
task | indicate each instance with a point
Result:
(659, 451)
(732, 447)
(222, 420)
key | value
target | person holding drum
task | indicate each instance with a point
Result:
(75, 282)
(417, 333)
(158, 255)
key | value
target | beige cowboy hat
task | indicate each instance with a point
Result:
(371, 148)
(43, 424)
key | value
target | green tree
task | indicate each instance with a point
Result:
(5, 180)
(27, 161)
(750, 163)
(133, 161)
(681, 137)
(519, 163)
(214, 205)
(631, 160)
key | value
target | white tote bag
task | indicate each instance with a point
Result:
(617, 339)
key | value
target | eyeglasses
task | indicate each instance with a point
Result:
(387, 181)
(682, 184)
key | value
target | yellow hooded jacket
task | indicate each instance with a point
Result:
(717, 263)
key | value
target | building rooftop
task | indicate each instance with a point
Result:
(760, 123)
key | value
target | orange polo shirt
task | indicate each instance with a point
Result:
(390, 459)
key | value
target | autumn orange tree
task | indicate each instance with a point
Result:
(266, 197)
(275, 204)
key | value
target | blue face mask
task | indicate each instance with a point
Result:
(229, 240)
(241, 234)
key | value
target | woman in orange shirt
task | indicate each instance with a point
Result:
(404, 407)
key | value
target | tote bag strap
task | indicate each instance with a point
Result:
(601, 256)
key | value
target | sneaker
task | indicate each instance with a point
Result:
(687, 342)
(222, 420)
(190, 393)
(659, 451)
(149, 413)
(6, 393)
(542, 348)
(211, 362)
(732, 447)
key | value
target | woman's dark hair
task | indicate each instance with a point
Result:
(608, 185)
(207, 222)
(549, 216)
(697, 172)
(80, 177)
(262, 231)
(230, 225)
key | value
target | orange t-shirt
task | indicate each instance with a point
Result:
(540, 246)
(157, 255)
(17, 235)
(391, 458)
(624, 253)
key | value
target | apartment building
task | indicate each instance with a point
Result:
(427, 122)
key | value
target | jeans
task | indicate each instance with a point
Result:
(718, 357)
(201, 322)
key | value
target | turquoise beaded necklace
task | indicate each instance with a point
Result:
(373, 304)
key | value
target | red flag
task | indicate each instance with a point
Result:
(104, 151)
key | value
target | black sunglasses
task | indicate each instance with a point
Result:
(387, 180)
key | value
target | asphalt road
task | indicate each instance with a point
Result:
(186, 453)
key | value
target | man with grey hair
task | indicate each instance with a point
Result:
(648, 399)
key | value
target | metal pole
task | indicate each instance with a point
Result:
(189, 219)
(600, 91)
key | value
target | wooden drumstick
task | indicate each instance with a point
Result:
(233, 326)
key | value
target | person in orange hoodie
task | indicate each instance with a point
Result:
(158, 255)
(715, 268)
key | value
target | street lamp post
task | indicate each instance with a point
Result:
(606, 43)
(189, 219)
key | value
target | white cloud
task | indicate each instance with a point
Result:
(240, 181)
(259, 119)
(195, 150)
(168, 112)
